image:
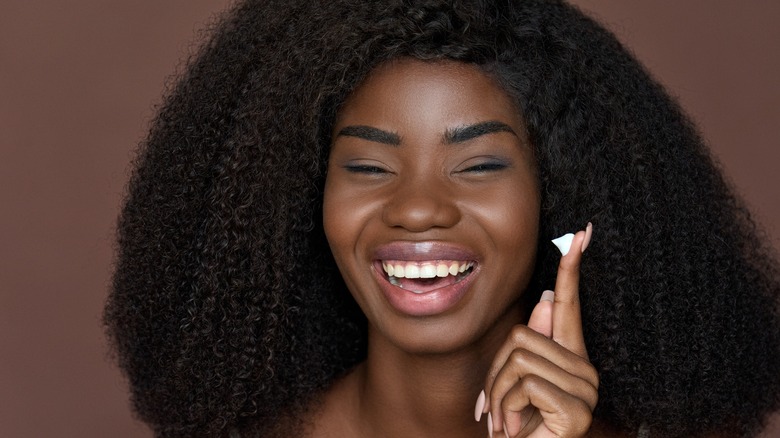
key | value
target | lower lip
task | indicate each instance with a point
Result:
(429, 303)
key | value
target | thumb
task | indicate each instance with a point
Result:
(542, 315)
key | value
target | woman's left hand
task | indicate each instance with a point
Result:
(541, 383)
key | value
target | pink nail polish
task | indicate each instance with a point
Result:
(480, 406)
(506, 432)
(548, 295)
(490, 425)
(588, 234)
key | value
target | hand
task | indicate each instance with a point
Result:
(541, 383)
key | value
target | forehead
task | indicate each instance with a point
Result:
(416, 88)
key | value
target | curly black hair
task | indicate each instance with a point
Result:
(227, 312)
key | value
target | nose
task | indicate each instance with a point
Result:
(418, 205)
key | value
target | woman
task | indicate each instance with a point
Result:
(311, 147)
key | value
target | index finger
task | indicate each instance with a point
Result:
(567, 320)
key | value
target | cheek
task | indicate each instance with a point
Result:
(333, 219)
(344, 217)
(510, 214)
(345, 220)
(510, 220)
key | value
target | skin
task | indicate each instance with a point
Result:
(434, 155)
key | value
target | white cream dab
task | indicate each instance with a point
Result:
(564, 243)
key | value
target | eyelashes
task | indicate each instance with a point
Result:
(478, 168)
(485, 167)
(364, 168)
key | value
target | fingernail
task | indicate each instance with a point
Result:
(564, 243)
(588, 233)
(548, 295)
(506, 432)
(480, 406)
(490, 425)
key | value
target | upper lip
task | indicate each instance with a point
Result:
(423, 250)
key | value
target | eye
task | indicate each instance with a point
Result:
(364, 168)
(485, 167)
(483, 164)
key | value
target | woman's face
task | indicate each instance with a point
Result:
(431, 203)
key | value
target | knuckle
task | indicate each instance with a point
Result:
(592, 399)
(592, 375)
(578, 420)
(519, 334)
(583, 420)
(530, 383)
(586, 371)
(519, 358)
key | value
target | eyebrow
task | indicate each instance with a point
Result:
(465, 133)
(371, 134)
(460, 134)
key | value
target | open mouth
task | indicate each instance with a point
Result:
(426, 276)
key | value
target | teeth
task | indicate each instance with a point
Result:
(424, 269)
(427, 271)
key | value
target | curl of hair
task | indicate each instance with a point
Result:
(228, 313)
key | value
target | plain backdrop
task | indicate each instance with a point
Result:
(79, 80)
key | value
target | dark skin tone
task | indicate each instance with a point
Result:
(431, 171)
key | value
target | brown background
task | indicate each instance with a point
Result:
(78, 82)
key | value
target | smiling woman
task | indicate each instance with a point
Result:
(432, 162)
(340, 226)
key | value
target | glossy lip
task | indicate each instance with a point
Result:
(429, 303)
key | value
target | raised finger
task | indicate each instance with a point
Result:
(567, 320)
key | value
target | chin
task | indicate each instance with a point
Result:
(444, 334)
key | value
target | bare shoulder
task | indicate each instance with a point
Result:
(772, 427)
(335, 415)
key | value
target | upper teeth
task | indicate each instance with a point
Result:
(424, 269)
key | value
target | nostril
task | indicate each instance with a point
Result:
(417, 211)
